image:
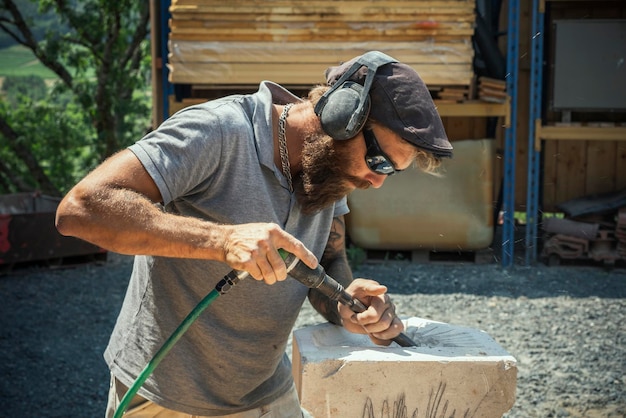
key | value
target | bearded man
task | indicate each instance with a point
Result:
(223, 185)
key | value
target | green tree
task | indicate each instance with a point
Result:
(95, 108)
(31, 86)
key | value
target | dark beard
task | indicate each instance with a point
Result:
(324, 179)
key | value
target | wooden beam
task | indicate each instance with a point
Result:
(473, 108)
(582, 133)
(323, 7)
(337, 47)
(311, 35)
(313, 53)
(298, 73)
(216, 25)
(430, 17)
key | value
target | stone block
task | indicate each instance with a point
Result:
(454, 372)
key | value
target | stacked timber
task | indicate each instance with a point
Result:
(242, 42)
(491, 90)
(453, 94)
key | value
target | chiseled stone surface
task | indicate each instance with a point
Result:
(454, 372)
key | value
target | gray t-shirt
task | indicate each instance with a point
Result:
(215, 161)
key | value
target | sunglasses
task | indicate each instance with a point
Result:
(375, 158)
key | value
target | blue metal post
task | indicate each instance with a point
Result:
(165, 31)
(508, 191)
(534, 117)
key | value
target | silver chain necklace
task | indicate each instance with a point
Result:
(282, 145)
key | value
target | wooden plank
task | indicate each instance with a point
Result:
(425, 3)
(339, 8)
(571, 169)
(314, 52)
(491, 95)
(317, 52)
(478, 128)
(230, 27)
(286, 36)
(492, 82)
(422, 17)
(429, 3)
(583, 133)
(297, 73)
(457, 128)
(549, 186)
(175, 106)
(308, 7)
(492, 92)
(253, 34)
(246, 21)
(299, 3)
(471, 109)
(600, 170)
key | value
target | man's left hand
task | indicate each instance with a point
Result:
(379, 321)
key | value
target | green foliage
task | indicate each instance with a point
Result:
(98, 52)
(31, 86)
(38, 21)
(57, 134)
(356, 256)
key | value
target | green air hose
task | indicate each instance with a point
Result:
(221, 288)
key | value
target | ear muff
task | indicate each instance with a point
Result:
(344, 108)
(343, 115)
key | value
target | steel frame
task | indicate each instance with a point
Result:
(534, 120)
(510, 142)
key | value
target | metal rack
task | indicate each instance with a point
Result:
(534, 121)
(508, 190)
(538, 132)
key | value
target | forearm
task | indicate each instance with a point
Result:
(115, 207)
(335, 263)
(127, 222)
(325, 306)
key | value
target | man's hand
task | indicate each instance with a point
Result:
(254, 248)
(379, 321)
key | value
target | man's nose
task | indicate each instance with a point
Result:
(376, 180)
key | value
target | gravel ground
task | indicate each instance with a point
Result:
(564, 325)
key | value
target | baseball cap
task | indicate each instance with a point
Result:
(401, 101)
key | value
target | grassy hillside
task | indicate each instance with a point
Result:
(18, 60)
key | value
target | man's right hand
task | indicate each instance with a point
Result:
(254, 248)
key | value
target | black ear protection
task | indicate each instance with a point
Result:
(344, 108)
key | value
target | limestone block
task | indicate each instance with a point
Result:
(455, 372)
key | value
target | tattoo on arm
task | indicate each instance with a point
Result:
(336, 239)
(335, 262)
